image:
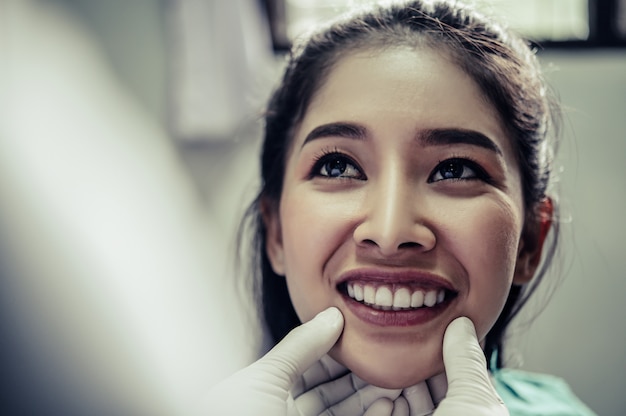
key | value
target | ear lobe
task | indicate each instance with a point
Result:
(273, 236)
(533, 237)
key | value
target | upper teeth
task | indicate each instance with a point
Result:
(388, 297)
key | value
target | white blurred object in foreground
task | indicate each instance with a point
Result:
(120, 298)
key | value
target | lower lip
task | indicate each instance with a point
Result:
(395, 318)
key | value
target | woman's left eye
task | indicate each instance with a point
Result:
(457, 169)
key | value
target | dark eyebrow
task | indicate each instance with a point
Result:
(443, 137)
(433, 137)
(347, 130)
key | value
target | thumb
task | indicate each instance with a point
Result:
(466, 368)
(302, 347)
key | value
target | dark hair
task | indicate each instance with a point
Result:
(501, 63)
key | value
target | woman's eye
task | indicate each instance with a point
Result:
(456, 169)
(336, 165)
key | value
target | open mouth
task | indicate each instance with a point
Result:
(396, 296)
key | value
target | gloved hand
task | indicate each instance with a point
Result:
(328, 388)
(263, 388)
(465, 388)
(469, 389)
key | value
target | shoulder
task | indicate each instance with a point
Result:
(532, 394)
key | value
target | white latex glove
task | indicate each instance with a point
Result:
(328, 388)
(263, 387)
(469, 390)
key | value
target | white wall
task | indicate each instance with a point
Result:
(581, 335)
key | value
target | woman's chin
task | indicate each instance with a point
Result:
(387, 369)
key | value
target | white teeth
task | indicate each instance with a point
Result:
(430, 298)
(383, 297)
(350, 287)
(358, 293)
(369, 294)
(417, 299)
(402, 298)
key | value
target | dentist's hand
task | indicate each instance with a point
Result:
(263, 387)
(328, 388)
(470, 391)
(465, 388)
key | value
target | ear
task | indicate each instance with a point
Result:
(531, 245)
(273, 235)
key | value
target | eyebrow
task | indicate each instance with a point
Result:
(445, 137)
(431, 137)
(347, 130)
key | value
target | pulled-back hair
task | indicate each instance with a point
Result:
(502, 65)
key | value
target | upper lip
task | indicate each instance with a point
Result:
(419, 278)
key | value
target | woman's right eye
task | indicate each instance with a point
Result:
(337, 165)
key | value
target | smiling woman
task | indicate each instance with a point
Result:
(404, 170)
(397, 206)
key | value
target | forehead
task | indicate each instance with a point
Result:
(420, 88)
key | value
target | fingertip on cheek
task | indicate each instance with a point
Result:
(331, 317)
(462, 324)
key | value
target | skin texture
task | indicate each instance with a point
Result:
(389, 212)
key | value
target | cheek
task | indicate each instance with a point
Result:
(488, 253)
(313, 231)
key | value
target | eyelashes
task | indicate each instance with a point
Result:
(335, 165)
(458, 168)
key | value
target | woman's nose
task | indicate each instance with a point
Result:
(394, 218)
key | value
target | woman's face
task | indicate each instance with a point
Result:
(401, 206)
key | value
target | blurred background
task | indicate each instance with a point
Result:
(129, 133)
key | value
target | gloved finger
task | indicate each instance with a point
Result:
(381, 407)
(323, 371)
(363, 399)
(302, 347)
(400, 407)
(346, 395)
(419, 399)
(316, 400)
(438, 386)
(465, 364)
